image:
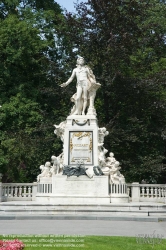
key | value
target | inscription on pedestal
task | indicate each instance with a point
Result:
(80, 147)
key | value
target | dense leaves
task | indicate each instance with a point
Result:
(30, 71)
(124, 43)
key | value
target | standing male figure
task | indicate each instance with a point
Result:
(82, 74)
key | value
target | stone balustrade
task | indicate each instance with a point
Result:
(18, 191)
(147, 192)
(44, 188)
(118, 193)
(137, 192)
(120, 188)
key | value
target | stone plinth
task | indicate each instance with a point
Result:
(77, 190)
(81, 140)
(82, 185)
(135, 191)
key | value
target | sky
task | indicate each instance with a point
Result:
(68, 4)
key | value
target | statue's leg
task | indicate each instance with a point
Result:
(79, 93)
(85, 91)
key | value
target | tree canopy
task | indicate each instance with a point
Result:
(30, 70)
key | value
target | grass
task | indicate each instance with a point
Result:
(61, 242)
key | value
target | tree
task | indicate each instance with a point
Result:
(30, 71)
(124, 43)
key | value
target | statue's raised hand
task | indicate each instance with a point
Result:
(63, 85)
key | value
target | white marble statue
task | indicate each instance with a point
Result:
(60, 159)
(110, 161)
(109, 165)
(102, 132)
(86, 89)
(115, 176)
(48, 170)
(102, 158)
(55, 167)
(60, 129)
(45, 171)
(112, 168)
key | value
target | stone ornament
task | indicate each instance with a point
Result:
(115, 176)
(109, 165)
(102, 132)
(45, 171)
(49, 170)
(60, 129)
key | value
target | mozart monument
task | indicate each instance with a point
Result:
(82, 174)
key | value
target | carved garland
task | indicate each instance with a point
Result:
(79, 123)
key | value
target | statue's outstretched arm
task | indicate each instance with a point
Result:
(69, 80)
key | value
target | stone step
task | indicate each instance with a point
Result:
(77, 209)
(82, 212)
(127, 211)
(24, 208)
(143, 218)
(83, 207)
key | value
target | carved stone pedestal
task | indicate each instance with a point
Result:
(81, 140)
(76, 190)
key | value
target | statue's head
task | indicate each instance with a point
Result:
(53, 157)
(117, 164)
(41, 167)
(47, 164)
(80, 61)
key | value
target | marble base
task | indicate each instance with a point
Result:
(77, 190)
(72, 199)
(82, 185)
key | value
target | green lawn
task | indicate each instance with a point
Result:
(60, 242)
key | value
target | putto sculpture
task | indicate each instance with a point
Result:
(86, 89)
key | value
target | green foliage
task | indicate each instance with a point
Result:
(135, 128)
(30, 71)
(124, 43)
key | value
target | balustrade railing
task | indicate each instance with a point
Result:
(44, 188)
(147, 192)
(18, 191)
(137, 192)
(120, 188)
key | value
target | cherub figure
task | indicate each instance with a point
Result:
(55, 168)
(102, 132)
(45, 171)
